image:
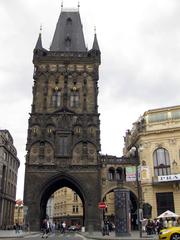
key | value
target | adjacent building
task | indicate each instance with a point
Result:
(9, 164)
(19, 212)
(156, 137)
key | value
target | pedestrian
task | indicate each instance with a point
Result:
(63, 227)
(17, 228)
(45, 228)
(105, 230)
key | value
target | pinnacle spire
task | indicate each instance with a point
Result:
(39, 41)
(95, 43)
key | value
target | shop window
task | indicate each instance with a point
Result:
(165, 201)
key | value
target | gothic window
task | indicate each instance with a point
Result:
(63, 146)
(161, 162)
(74, 98)
(56, 98)
(111, 174)
(119, 173)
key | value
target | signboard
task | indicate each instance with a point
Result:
(102, 205)
(145, 173)
(130, 174)
(168, 178)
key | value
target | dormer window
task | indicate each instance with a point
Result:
(68, 42)
(69, 21)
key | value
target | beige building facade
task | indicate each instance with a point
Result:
(156, 137)
(66, 206)
(19, 213)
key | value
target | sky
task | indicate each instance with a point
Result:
(140, 57)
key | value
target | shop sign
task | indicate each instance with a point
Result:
(168, 178)
(130, 174)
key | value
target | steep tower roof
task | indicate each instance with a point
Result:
(39, 43)
(68, 35)
(95, 43)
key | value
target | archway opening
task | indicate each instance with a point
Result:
(109, 211)
(63, 201)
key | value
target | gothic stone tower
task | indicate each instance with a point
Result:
(63, 141)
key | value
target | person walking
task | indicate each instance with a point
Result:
(45, 228)
(63, 227)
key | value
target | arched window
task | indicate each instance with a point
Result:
(74, 98)
(161, 162)
(56, 98)
(111, 174)
(119, 174)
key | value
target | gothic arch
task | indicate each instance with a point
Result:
(56, 182)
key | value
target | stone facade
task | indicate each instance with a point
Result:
(157, 136)
(64, 129)
(9, 164)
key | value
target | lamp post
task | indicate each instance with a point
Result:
(134, 152)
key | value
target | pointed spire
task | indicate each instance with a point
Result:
(39, 41)
(78, 5)
(61, 6)
(95, 43)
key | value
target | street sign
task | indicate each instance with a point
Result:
(102, 205)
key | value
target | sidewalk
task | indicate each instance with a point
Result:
(13, 234)
(134, 236)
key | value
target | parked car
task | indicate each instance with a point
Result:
(172, 233)
(74, 228)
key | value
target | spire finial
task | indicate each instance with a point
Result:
(94, 30)
(78, 5)
(40, 29)
(61, 5)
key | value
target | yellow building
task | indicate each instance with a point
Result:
(156, 136)
(19, 213)
(67, 207)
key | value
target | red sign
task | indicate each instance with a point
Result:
(102, 205)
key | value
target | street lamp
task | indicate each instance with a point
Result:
(134, 151)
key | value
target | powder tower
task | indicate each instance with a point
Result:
(63, 140)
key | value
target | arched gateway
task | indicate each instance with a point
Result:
(63, 141)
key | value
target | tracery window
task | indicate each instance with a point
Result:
(161, 162)
(74, 98)
(56, 98)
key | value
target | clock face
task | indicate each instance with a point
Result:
(53, 67)
(42, 67)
